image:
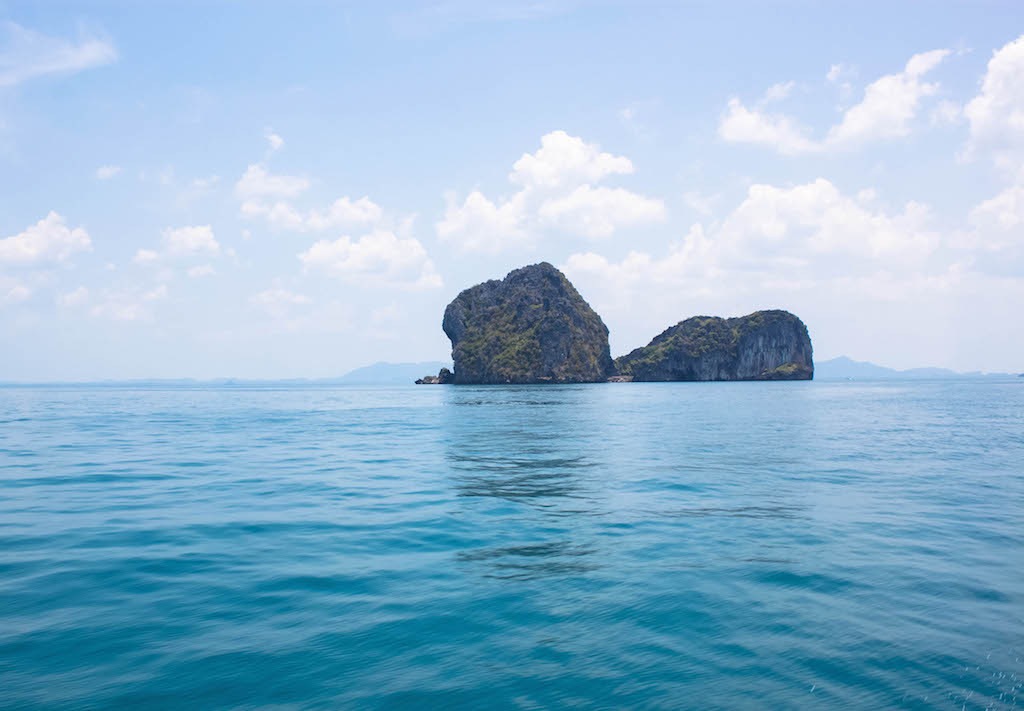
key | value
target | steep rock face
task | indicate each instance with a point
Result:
(765, 345)
(530, 327)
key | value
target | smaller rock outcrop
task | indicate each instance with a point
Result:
(765, 345)
(530, 327)
(444, 377)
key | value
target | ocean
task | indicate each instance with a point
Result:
(828, 545)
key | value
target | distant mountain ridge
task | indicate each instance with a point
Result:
(383, 373)
(844, 368)
(380, 373)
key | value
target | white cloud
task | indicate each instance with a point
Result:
(106, 172)
(597, 212)
(189, 241)
(76, 297)
(1003, 213)
(743, 125)
(127, 304)
(267, 196)
(778, 92)
(789, 223)
(799, 235)
(946, 112)
(835, 72)
(278, 301)
(692, 258)
(206, 183)
(47, 240)
(342, 212)
(996, 114)
(280, 214)
(556, 193)
(483, 226)
(278, 295)
(704, 204)
(158, 293)
(345, 211)
(120, 311)
(201, 270)
(28, 54)
(179, 243)
(852, 268)
(889, 106)
(257, 182)
(379, 257)
(146, 256)
(566, 161)
(274, 141)
(14, 294)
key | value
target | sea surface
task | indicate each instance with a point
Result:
(638, 546)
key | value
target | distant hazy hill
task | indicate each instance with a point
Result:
(391, 373)
(842, 368)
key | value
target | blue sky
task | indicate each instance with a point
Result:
(271, 190)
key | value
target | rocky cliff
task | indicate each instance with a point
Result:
(530, 327)
(766, 345)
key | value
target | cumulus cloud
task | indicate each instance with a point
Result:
(146, 256)
(201, 270)
(946, 112)
(996, 226)
(557, 192)
(743, 125)
(274, 141)
(28, 54)
(49, 240)
(106, 172)
(345, 211)
(132, 304)
(996, 114)
(158, 293)
(597, 212)
(379, 257)
(14, 294)
(278, 301)
(789, 223)
(855, 269)
(267, 196)
(1003, 212)
(777, 240)
(76, 297)
(778, 92)
(188, 241)
(836, 72)
(480, 225)
(258, 182)
(886, 111)
(181, 243)
(889, 104)
(565, 160)
(342, 212)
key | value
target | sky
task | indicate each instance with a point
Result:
(280, 190)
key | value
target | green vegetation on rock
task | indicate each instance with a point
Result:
(765, 345)
(531, 327)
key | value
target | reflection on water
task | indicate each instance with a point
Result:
(518, 447)
(770, 512)
(538, 560)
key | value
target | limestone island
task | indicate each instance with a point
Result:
(534, 327)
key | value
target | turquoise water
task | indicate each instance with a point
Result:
(690, 545)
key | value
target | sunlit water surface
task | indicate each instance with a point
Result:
(772, 545)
